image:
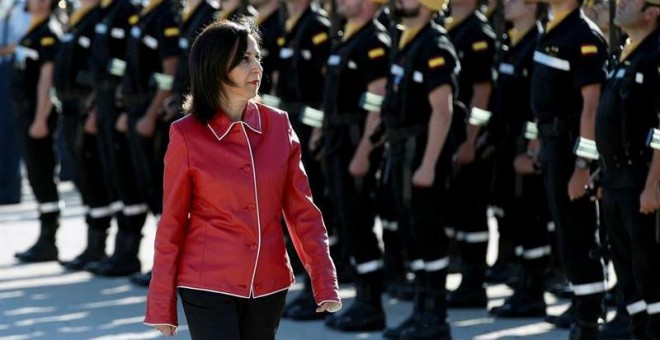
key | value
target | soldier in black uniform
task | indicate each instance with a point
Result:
(304, 49)
(568, 72)
(417, 115)
(356, 73)
(30, 82)
(474, 41)
(73, 85)
(108, 64)
(270, 21)
(628, 109)
(152, 55)
(521, 187)
(196, 15)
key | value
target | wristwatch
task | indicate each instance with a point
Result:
(582, 163)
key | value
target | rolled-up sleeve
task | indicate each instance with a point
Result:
(306, 227)
(177, 192)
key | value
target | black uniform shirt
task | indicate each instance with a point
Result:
(71, 76)
(512, 104)
(416, 71)
(627, 111)
(36, 48)
(352, 65)
(191, 26)
(271, 29)
(474, 41)
(110, 35)
(303, 54)
(153, 38)
(568, 57)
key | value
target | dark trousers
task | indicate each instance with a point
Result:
(354, 206)
(38, 154)
(81, 147)
(575, 223)
(114, 155)
(219, 316)
(635, 253)
(10, 157)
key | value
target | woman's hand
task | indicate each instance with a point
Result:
(166, 330)
(329, 306)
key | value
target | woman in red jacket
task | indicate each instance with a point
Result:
(232, 171)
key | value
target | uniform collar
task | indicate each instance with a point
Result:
(152, 4)
(562, 17)
(220, 124)
(631, 47)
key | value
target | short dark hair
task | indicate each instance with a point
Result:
(216, 51)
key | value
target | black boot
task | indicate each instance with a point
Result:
(44, 249)
(418, 309)
(432, 324)
(581, 330)
(618, 327)
(471, 293)
(563, 320)
(527, 299)
(366, 313)
(141, 280)
(124, 261)
(303, 307)
(97, 232)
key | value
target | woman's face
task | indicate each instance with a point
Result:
(246, 75)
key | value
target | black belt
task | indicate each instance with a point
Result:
(619, 162)
(553, 128)
(397, 135)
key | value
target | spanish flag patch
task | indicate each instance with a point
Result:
(480, 46)
(376, 53)
(133, 19)
(171, 32)
(47, 41)
(320, 38)
(281, 41)
(436, 62)
(588, 49)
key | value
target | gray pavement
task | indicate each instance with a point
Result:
(42, 301)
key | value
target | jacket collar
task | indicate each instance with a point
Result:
(220, 124)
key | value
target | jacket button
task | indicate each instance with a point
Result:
(247, 168)
(253, 246)
(250, 206)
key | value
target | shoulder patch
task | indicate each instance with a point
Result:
(480, 45)
(47, 41)
(376, 53)
(436, 62)
(171, 32)
(320, 38)
(588, 49)
(133, 19)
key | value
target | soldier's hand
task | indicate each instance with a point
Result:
(465, 154)
(121, 125)
(90, 122)
(166, 330)
(649, 200)
(146, 126)
(423, 177)
(524, 165)
(38, 129)
(578, 183)
(315, 139)
(359, 166)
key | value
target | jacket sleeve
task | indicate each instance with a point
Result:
(306, 227)
(177, 192)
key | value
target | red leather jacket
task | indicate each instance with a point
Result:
(226, 187)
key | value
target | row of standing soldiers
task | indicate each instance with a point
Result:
(423, 124)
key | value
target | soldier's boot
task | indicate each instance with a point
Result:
(366, 312)
(141, 279)
(303, 307)
(471, 293)
(124, 261)
(432, 324)
(419, 303)
(563, 320)
(44, 249)
(618, 327)
(527, 299)
(97, 233)
(582, 330)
